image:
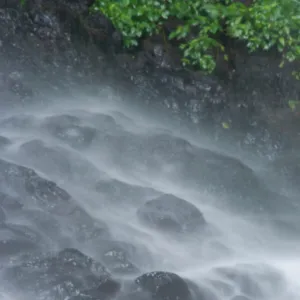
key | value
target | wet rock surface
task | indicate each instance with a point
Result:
(169, 213)
(70, 217)
(61, 39)
(66, 274)
(117, 192)
(68, 129)
(164, 286)
(35, 190)
(120, 258)
(18, 241)
(71, 182)
(4, 141)
(57, 160)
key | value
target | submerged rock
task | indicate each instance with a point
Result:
(9, 203)
(68, 129)
(83, 228)
(116, 191)
(164, 286)
(56, 160)
(35, 190)
(171, 214)
(4, 141)
(67, 273)
(258, 281)
(121, 258)
(18, 241)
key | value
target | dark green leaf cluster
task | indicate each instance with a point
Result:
(264, 24)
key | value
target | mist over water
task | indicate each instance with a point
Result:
(231, 230)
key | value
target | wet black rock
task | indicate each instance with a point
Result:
(171, 214)
(246, 283)
(201, 292)
(4, 141)
(58, 161)
(35, 190)
(20, 122)
(164, 286)
(18, 240)
(105, 122)
(121, 257)
(46, 158)
(107, 290)
(10, 203)
(254, 281)
(56, 122)
(223, 288)
(84, 228)
(45, 223)
(66, 274)
(120, 192)
(185, 163)
(68, 129)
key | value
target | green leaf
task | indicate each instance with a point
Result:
(281, 64)
(263, 25)
(293, 104)
(282, 41)
(225, 125)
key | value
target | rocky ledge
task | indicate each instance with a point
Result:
(65, 45)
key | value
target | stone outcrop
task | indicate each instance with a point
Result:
(66, 46)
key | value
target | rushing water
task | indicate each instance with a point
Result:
(84, 174)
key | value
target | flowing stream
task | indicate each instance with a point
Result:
(137, 192)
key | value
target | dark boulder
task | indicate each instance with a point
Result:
(116, 191)
(201, 292)
(10, 203)
(254, 281)
(83, 228)
(17, 241)
(35, 190)
(171, 214)
(107, 290)
(105, 122)
(186, 163)
(20, 122)
(56, 160)
(223, 288)
(120, 257)
(164, 286)
(44, 223)
(4, 141)
(45, 158)
(68, 129)
(67, 273)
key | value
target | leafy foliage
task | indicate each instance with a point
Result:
(264, 24)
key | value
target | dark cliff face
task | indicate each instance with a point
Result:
(64, 45)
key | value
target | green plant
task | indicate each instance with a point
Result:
(264, 24)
